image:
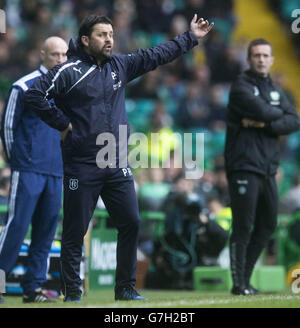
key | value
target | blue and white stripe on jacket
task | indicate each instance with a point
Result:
(29, 143)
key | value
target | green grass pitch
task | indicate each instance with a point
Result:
(170, 299)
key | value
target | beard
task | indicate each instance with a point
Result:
(101, 53)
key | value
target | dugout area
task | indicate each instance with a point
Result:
(98, 260)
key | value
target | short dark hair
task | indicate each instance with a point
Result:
(87, 24)
(257, 42)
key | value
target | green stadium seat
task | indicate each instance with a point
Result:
(266, 278)
(157, 38)
(269, 278)
(212, 278)
(138, 112)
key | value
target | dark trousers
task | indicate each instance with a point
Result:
(254, 202)
(83, 184)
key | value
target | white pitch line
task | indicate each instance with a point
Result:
(176, 303)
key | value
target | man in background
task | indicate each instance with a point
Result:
(33, 152)
(259, 113)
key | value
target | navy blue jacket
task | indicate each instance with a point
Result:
(29, 143)
(92, 98)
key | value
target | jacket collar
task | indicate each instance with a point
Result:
(256, 77)
(43, 69)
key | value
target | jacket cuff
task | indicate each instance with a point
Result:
(62, 123)
(193, 37)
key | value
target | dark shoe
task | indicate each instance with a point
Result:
(240, 291)
(253, 291)
(72, 299)
(128, 294)
(38, 296)
(1, 299)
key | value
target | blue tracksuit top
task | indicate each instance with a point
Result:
(92, 98)
(29, 144)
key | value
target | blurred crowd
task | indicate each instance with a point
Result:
(284, 9)
(188, 95)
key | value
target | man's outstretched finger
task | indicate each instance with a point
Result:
(210, 26)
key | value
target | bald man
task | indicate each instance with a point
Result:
(33, 152)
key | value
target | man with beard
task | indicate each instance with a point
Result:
(89, 93)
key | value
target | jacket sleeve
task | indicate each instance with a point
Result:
(46, 87)
(146, 60)
(11, 116)
(246, 104)
(286, 124)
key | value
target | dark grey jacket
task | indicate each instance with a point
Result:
(257, 149)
